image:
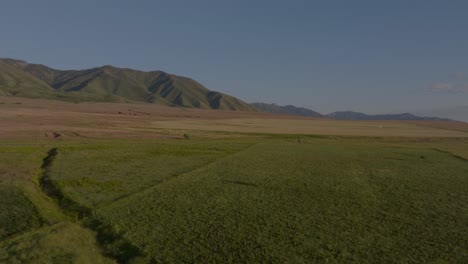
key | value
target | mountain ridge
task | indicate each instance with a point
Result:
(351, 115)
(109, 83)
(339, 115)
(287, 109)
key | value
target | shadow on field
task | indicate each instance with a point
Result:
(240, 183)
(111, 242)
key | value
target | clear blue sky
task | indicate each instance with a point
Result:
(372, 56)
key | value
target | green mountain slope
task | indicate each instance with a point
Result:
(19, 83)
(110, 83)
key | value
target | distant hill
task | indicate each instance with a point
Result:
(342, 115)
(350, 115)
(108, 83)
(288, 109)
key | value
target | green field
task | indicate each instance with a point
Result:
(92, 175)
(250, 199)
(60, 243)
(32, 227)
(17, 213)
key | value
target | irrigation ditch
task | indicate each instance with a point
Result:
(112, 243)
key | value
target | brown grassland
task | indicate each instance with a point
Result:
(36, 119)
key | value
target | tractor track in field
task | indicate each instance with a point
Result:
(124, 252)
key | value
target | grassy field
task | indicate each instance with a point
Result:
(99, 174)
(317, 127)
(93, 186)
(277, 199)
(32, 227)
(323, 201)
(58, 244)
(17, 213)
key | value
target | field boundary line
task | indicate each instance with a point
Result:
(451, 154)
(173, 177)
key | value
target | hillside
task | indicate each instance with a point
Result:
(108, 83)
(288, 109)
(20, 83)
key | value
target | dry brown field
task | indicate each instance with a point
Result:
(37, 119)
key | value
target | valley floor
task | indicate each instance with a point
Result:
(38, 119)
(83, 183)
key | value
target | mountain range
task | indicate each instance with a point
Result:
(112, 84)
(108, 83)
(287, 110)
(350, 115)
(341, 115)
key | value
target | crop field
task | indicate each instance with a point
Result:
(272, 199)
(229, 192)
(92, 175)
(32, 228)
(17, 213)
(58, 244)
(314, 202)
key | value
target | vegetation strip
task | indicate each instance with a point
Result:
(112, 243)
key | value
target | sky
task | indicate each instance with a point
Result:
(370, 56)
